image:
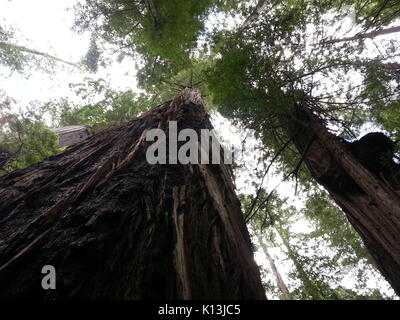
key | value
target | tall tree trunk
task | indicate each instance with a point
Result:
(260, 7)
(116, 227)
(370, 203)
(285, 294)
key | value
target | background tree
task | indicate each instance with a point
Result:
(20, 58)
(282, 97)
(281, 70)
(24, 140)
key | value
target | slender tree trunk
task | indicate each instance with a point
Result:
(7, 45)
(260, 7)
(278, 278)
(371, 204)
(368, 35)
(116, 227)
(153, 14)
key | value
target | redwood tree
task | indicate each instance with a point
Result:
(279, 79)
(370, 201)
(116, 227)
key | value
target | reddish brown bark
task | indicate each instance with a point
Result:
(116, 227)
(371, 204)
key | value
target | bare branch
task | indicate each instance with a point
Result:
(4, 45)
(368, 35)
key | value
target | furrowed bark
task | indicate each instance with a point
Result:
(371, 205)
(116, 227)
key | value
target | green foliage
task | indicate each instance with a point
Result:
(254, 76)
(20, 58)
(26, 140)
(163, 32)
(331, 223)
(10, 56)
(260, 73)
(389, 117)
(101, 107)
(191, 77)
(93, 55)
(322, 257)
(373, 13)
(381, 92)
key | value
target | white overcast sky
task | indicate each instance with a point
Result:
(45, 25)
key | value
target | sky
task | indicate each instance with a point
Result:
(45, 25)
(32, 21)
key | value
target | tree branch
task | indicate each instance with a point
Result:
(368, 35)
(4, 45)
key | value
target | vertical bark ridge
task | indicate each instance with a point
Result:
(116, 227)
(372, 207)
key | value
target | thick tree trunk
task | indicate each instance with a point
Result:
(116, 227)
(371, 204)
